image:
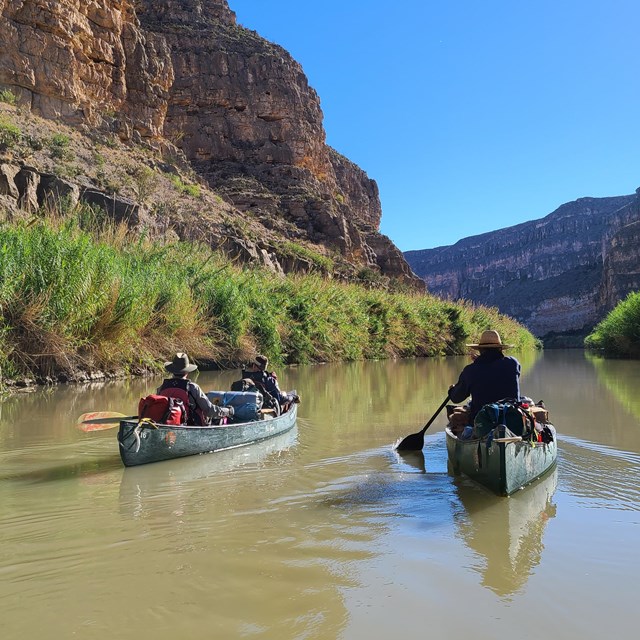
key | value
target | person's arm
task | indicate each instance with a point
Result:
(462, 389)
(208, 408)
(272, 386)
(518, 369)
(283, 396)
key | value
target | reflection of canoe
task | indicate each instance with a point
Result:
(502, 466)
(143, 443)
(180, 471)
(507, 534)
(169, 486)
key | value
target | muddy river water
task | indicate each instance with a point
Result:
(325, 532)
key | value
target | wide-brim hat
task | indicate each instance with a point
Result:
(490, 340)
(262, 362)
(180, 364)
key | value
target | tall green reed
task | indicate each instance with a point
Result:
(618, 335)
(77, 291)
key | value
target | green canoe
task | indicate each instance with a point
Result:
(141, 443)
(503, 465)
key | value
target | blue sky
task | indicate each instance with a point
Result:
(471, 115)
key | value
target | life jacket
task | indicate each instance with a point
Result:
(179, 388)
(162, 409)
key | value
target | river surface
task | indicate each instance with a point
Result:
(325, 532)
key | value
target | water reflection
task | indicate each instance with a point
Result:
(507, 533)
(175, 477)
(27, 419)
(329, 535)
(621, 378)
(414, 459)
(578, 402)
(245, 532)
(84, 469)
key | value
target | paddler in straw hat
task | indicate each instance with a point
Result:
(492, 376)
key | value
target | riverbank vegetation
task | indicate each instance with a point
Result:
(618, 335)
(79, 294)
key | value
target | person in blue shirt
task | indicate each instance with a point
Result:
(492, 376)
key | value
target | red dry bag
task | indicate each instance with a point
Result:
(162, 409)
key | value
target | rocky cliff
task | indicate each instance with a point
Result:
(621, 265)
(182, 78)
(556, 275)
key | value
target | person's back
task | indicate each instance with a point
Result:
(491, 377)
(267, 385)
(187, 391)
(199, 408)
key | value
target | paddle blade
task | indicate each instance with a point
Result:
(414, 442)
(99, 420)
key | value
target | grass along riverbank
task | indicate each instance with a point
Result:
(79, 295)
(618, 335)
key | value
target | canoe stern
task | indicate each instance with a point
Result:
(502, 467)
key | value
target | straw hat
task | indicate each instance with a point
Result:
(180, 364)
(490, 340)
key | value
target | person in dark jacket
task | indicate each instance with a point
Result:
(200, 410)
(491, 377)
(268, 381)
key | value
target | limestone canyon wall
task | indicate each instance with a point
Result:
(621, 264)
(557, 275)
(184, 73)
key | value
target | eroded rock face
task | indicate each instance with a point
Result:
(250, 123)
(621, 268)
(548, 273)
(80, 61)
(238, 106)
(26, 189)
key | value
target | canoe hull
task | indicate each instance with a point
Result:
(502, 467)
(165, 442)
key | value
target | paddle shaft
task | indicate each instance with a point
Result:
(435, 415)
(415, 441)
(114, 420)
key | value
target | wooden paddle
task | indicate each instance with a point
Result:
(100, 420)
(415, 441)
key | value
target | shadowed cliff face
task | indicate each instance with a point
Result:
(621, 268)
(548, 273)
(238, 106)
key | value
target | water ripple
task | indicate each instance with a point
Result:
(600, 475)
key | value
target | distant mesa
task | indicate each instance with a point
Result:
(558, 276)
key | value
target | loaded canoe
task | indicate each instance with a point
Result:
(503, 465)
(141, 443)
